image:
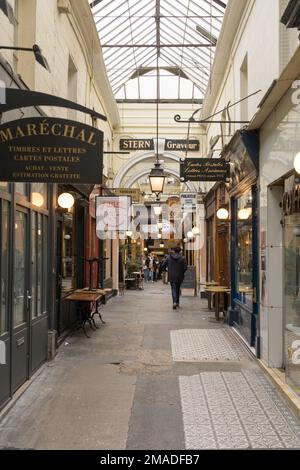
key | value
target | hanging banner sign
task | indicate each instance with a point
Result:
(113, 214)
(134, 193)
(170, 144)
(50, 150)
(188, 202)
(204, 169)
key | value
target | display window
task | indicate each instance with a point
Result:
(244, 249)
(292, 300)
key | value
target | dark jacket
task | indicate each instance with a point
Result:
(177, 266)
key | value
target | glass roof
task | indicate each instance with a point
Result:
(172, 40)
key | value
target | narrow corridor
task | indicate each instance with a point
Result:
(151, 378)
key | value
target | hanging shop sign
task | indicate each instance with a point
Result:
(113, 214)
(183, 145)
(50, 150)
(188, 202)
(134, 193)
(204, 169)
(170, 144)
(136, 144)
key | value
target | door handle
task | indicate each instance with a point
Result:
(28, 299)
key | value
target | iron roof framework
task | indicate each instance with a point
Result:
(176, 40)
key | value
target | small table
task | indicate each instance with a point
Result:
(218, 290)
(209, 284)
(86, 297)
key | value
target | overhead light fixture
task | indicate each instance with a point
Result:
(222, 214)
(157, 178)
(157, 175)
(162, 245)
(145, 249)
(66, 200)
(157, 210)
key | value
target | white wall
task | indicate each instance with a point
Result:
(279, 142)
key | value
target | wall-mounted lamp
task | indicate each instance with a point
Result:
(185, 240)
(159, 225)
(162, 245)
(159, 235)
(222, 214)
(190, 234)
(37, 54)
(145, 249)
(128, 233)
(297, 163)
(37, 199)
(7, 9)
(66, 201)
(196, 230)
(244, 214)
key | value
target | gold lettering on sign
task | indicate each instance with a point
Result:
(19, 133)
(56, 129)
(69, 131)
(6, 135)
(31, 129)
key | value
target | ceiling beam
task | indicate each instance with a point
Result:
(155, 45)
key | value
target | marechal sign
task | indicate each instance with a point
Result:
(170, 144)
(50, 150)
(204, 169)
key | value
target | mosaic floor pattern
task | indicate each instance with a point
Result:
(205, 345)
(235, 410)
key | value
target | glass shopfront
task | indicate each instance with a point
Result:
(244, 249)
(292, 300)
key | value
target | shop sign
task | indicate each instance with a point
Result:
(204, 169)
(136, 144)
(170, 144)
(134, 193)
(113, 214)
(183, 145)
(50, 150)
(188, 202)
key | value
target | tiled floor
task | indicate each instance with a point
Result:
(205, 345)
(235, 410)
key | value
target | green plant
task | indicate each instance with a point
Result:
(132, 267)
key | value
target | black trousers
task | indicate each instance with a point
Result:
(175, 287)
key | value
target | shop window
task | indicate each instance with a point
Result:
(21, 189)
(3, 186)
(292, 300)
(4, 237)
(38, 264)
(68, 259)
(244, 247)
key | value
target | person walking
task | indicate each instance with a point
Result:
(151, 267)
(176, 266)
